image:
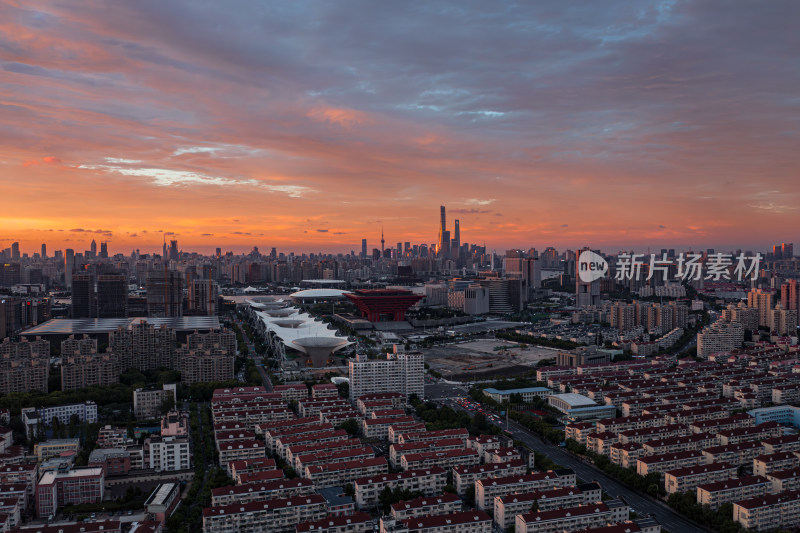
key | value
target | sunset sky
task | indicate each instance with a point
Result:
(308, 125)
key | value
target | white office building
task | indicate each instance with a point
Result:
(399, 372)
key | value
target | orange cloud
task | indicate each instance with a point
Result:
(346, 118)
(49, 160)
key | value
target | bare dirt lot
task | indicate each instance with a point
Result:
(482, 358)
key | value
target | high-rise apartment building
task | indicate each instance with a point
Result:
(164, 293)
(744, 315)
(143, 346)
(10, 274)
(207, 357)
(505, 295)
(83, 296)
(761, 300)
(24, 365)
(784, 321)
(15, 255)
(721, 336)
(82, 366)
(112, 296)
(789, 296)
(69, 266)
(203, 294)
(399, 372)
(787, 250)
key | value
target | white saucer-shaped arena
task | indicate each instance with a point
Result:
(319, 349)
(283, 312)
(291, 323)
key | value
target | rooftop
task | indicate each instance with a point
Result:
(509, 392)
(78, 326)
(575, 400)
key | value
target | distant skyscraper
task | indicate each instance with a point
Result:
(456, 238)
(44, 251)
(112, 296)
(363, 248)
(442, 229)
(219, 252)
(203, 297)
(93, 248)
(787, 250)
(104, 250)
(444, 252)
(789, 296)
(69, 266)
(164, 293)
(15, 251)
(761, 300)
(173, 250)
(586, 293)
(83, 296)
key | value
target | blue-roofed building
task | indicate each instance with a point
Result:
(782, 414)
(577, 407)
(528, 394)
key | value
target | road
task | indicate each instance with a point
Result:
(251, 352)
(643, 505)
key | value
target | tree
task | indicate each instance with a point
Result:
(350, 426)
(469, 496)
(349, 490)
(535, 505)
(516, 398)
(167, 405)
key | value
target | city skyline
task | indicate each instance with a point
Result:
(307, 126)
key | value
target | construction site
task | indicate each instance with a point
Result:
(485, 358)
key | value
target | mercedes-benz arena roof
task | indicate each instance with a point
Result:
(265, 302)
(291, 325)
(318, 293)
